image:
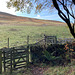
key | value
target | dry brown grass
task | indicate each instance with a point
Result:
(11, 19)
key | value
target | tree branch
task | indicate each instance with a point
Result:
(66, 9)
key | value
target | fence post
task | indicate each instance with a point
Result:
(8, 42)
(28, 40)
(0, 62)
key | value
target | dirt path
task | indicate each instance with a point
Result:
(38, 70)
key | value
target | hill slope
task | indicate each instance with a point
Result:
(6, 18)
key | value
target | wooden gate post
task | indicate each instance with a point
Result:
(4, 64)
(11, 61)
(29, 52)
(27, 58)
(14, 64)
(0, 61)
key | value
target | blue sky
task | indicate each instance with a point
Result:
(46, 15)
(43, 15)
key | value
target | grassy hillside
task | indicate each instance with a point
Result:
(18, 28)
(9, 19)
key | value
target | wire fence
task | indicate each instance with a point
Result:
(32, 40)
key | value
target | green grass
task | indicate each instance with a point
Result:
(18, 34)
(55, 70)
(60, 70)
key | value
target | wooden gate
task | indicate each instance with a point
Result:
(15, 58)
(50, 39)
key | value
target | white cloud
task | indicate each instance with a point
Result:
(3, 7)
(38, 16)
